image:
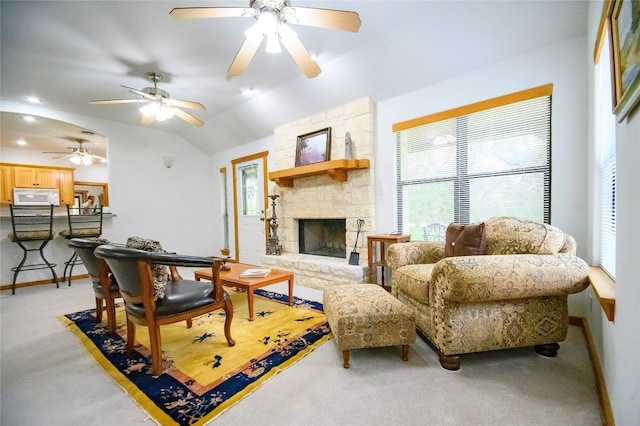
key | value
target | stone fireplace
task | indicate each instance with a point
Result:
(322, 237)
(322, 197)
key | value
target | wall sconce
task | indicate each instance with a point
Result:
(167, 160)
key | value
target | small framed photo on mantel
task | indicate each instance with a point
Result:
(314, 147)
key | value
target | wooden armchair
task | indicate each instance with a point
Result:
(182, 299)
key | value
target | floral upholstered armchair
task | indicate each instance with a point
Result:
(504, 285)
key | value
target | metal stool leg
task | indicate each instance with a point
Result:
(50, 265)
(72, 262)
(21, 266)
(16, 270)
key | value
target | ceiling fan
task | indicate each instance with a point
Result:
(159, 105)
(78, 155)
(273, 17)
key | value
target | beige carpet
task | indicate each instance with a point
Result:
(60, 384)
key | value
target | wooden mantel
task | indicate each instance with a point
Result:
(336, 169)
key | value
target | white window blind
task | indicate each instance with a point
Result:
(605, 157)
(468, 167)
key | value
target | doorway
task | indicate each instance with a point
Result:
(249, 189)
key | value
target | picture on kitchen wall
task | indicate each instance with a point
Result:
(314, 147)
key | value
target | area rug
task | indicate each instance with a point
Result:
(202, 376)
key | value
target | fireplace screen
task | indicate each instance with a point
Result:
(322, 237)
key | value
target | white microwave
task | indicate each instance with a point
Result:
(35, 197)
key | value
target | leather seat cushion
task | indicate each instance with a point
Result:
(179, 297)
(414, 280)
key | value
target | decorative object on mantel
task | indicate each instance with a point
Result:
(336, 169)
(225, 252)
(314, 147)
(348, 149)
(273, 242)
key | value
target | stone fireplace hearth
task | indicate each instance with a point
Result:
(321, 197)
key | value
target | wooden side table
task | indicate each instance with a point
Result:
(377, 246)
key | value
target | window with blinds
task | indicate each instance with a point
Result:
(605, 160)
(471, 163)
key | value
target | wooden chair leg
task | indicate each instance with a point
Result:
(548, 350)
(449, 362)
(189, 323)
(111, 315)
(228, 312)
(98, 310)
(156, 349)
(405, 352)
(345, 359)
(131, 336)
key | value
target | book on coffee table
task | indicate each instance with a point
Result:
(255, 273)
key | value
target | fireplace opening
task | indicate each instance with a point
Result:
(323, 237)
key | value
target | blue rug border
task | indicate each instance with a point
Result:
(165, 390)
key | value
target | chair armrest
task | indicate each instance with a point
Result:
(172, 259)
(503, 277)
(415, 252)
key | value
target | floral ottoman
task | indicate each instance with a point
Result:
(367, 316)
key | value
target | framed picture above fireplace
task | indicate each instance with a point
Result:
(314, 147)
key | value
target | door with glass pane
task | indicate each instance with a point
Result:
(249, 195)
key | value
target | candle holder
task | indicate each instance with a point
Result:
(273, 242)
(225, 252)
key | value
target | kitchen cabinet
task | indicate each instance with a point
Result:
(32, 177)
(6, 185)
(26, 176)
(66, 188)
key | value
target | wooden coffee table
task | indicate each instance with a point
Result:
(232, 278)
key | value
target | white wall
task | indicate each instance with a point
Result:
(618, 343)
(174, 206)
(561, 64)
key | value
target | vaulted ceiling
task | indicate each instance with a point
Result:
(70, 52)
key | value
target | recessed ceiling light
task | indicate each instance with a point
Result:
(33, 99)
(29, 118)
(21, 142)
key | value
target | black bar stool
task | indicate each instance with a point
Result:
(81, 225)
(32, 225)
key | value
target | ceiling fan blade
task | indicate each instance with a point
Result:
(188, 117)
(244, 56)
(211, 12)
(185, 104)
(145, 120)
(325, 18)
(62, 156)
(118, 101)
(301, 55)
(140, 92)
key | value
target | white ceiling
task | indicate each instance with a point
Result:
(70, 52)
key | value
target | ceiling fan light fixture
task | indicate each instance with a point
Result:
(254, 33)
(165, 112)
(76, 160)
(268, 22)
(158, 111)
(273, 44)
